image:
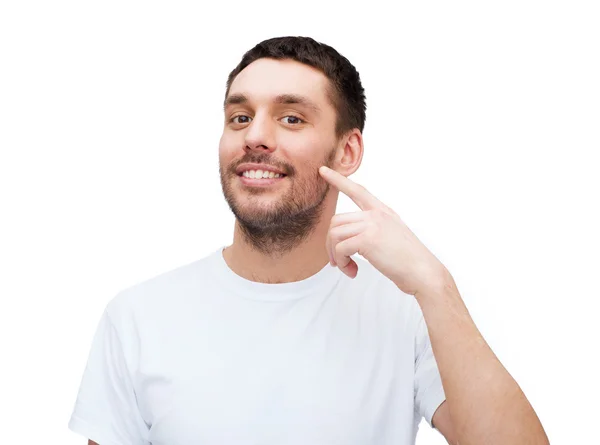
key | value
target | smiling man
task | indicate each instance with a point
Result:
(284, 336)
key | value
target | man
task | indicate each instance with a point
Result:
(284, 337)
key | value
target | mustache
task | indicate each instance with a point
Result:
(263, 160)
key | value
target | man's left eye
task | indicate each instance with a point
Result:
(294, 120)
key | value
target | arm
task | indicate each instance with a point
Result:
(442, 422)
(485, 404)
(91, 442)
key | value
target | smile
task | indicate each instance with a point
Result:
(260, 182)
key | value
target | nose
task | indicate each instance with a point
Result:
(259, 134)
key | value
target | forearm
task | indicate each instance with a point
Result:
(486, 404)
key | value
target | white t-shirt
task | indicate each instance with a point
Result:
(200, 355)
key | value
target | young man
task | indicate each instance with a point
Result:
(284, 337)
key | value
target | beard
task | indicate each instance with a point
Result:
(275, 222)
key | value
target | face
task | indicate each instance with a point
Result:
(277, 114)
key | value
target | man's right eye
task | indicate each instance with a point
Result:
(233, 119)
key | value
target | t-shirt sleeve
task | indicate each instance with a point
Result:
(429, 392)
(106, 408)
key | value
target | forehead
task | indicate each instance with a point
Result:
(266, 78)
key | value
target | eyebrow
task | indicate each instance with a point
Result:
(238, 98)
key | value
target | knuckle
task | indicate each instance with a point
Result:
(380, 214)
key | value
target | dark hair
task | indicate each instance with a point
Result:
(346, 93)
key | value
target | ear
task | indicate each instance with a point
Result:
(350, 153)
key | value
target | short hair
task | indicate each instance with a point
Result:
(345, 92)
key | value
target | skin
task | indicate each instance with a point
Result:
(280, 231)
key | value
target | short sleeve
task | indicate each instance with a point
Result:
(106, 408)
(429, 392)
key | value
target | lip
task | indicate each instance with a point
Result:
(264, 167)
(253, 182)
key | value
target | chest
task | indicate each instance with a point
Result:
(275, 382)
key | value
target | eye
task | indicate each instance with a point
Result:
(233, 119)
(294, 120)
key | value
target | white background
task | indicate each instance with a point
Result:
(483, 129)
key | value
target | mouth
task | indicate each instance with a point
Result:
(260, 182)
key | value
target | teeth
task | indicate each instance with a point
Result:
(259, 174)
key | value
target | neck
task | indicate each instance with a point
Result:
(281, 264)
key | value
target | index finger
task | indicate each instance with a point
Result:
(354, 191)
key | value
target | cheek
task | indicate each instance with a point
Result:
(304, 149)
(227, 148)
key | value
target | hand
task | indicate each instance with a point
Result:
(378, 234)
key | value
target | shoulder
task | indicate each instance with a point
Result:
(156, 294)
